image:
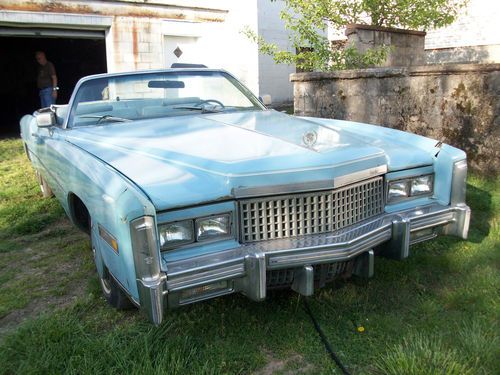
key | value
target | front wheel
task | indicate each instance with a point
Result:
(111, 291)
(44, 186)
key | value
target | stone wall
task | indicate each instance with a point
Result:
(457, 104)
(407, 46)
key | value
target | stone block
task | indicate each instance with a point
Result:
(493, 82)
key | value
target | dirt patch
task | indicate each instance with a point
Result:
(35, 308)
(49, 272)
(293, 365)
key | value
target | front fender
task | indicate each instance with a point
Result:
(112, 201)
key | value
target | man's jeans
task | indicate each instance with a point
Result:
(46, 98)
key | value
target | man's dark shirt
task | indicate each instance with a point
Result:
(45, 73)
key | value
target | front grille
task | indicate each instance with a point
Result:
(310, 213)
(278, 278)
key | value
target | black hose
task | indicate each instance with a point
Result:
(324, 339)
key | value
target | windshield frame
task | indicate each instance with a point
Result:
(232, 79)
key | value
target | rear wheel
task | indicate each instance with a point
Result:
(44, 187)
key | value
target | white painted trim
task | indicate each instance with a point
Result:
(183, 28)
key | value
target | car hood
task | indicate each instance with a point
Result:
(193, 159)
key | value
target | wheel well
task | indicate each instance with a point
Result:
(80, 213)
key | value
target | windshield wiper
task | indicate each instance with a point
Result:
(101, 118)
(195, 108)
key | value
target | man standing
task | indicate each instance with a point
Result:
(46, 80)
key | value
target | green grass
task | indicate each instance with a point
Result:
(434, 313)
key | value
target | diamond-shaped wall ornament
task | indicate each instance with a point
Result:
(178, 52)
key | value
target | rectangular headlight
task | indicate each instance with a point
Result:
(410, 187)
(397, 190)
(176, 234)
(421, 185)
(213, 227)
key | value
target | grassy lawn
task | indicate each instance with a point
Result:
(434, 313)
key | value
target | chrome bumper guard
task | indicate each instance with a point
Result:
(243, 269)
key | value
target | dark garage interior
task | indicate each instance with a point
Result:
(73, 58)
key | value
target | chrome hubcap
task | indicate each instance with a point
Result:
(106, 286)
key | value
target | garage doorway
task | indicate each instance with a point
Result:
(73, 58)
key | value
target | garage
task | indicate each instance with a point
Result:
(74, 53)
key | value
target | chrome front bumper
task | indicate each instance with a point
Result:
(244, 269)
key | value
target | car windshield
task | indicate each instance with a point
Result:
(127, 98)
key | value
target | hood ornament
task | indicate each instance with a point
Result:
(309, 138)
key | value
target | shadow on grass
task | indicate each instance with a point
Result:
(480, 202)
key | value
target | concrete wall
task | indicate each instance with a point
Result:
(407, 46)
(458, 104)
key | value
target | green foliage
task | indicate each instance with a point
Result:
(406, 14)
(307, 22)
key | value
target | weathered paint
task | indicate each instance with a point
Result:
(118, 9)
(135, 45)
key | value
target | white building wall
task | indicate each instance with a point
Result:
(222, 45)
(477, 25)
(142, 42)
(473, 37)
(274, 78)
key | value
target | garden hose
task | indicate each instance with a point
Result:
(328, 347)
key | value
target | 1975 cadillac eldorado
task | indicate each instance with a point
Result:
(190, 188)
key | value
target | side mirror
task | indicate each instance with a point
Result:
(45, 119)
(266, 99)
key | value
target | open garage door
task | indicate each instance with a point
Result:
(74, 53)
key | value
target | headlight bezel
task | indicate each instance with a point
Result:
(194, 224)
(408, 181)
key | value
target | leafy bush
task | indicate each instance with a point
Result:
(307, 22)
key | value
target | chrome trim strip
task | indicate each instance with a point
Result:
(359, 176)
(336, 182)
(428, 220)
(422, 239)
(339, 252)
(202, 278)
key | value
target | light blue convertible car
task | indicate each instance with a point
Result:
(190, 188)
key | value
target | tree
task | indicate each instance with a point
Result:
(307, 22)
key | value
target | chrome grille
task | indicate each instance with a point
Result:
(310, 213)
(277, 278)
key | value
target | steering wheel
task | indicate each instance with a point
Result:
(201, 102)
